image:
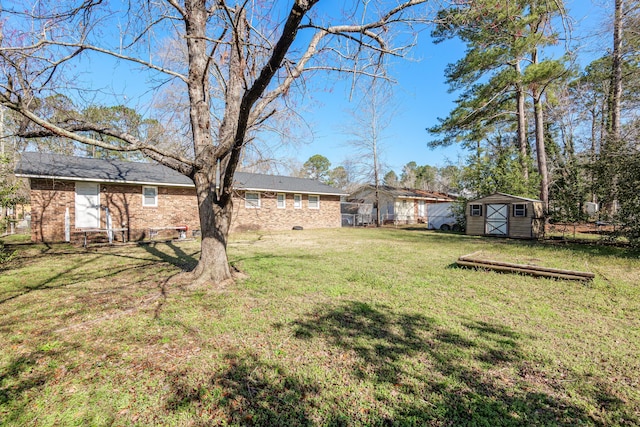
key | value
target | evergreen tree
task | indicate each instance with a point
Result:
(120, 117)
(628, 215)
(502, 38)
(317, 167)
(498, 170)
(391, 179)
(339, 177)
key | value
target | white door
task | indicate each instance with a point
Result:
(422, 209)
(497, 218)
(87, 205)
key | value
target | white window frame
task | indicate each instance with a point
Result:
(282, 204)
(520, 210)
(297, 201)
(475, 209)
(317, 204)
(155, 197)
(251, 204)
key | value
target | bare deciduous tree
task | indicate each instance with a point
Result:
(366, 129)
(234, 60)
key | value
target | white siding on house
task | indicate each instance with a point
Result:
(404, 210)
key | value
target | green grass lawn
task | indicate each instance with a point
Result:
(348, 327)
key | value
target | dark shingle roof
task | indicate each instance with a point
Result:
(287, 184)
(46, 165)
(412, 193)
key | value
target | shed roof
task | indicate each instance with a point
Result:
(58, 166)
(511, 196)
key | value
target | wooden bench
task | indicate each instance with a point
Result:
(87, 231)
(181, 229)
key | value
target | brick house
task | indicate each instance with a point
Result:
(72, 196)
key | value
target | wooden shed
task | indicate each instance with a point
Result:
(505, 215)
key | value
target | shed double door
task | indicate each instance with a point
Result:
(497, 218)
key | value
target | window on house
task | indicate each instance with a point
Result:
(520, 210)
(314, 202)
(149, 196)
(282, 200)
(297, 201)
(252, 200)
(475, 210)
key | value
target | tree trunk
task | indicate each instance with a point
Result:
(541, 151)
(616, 74)
(612, 139)
(215, 221)
(593, 154)
(214, 211)
(376, 177)
(522, 127)
(540, 147)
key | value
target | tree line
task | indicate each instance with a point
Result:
(534, 121)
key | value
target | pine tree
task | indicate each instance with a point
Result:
(502, 39)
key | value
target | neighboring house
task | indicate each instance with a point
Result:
(400, 205)
(143, 199)
(505, 215)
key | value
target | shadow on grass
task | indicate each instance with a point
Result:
(586, 247)
(14, 383)
(443, 376)
(600, 248)
(405, 370)
(248, 391)
(68, 277)
(21, 377)
(64, 278)
(179, 258)
(77, 271)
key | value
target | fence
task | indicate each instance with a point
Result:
(356, 214)
(8, 225)
(398, 219)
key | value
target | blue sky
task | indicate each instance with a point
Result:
(423, 97)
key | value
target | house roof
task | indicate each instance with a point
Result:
(525, 199)
(410, 193)
(57, 166)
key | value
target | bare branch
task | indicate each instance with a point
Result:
(341, 31)
(123, 57)
(178, 8)
(71, 130)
